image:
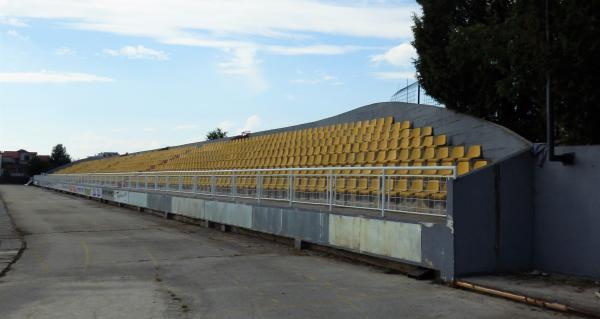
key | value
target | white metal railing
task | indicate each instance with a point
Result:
(407, 189)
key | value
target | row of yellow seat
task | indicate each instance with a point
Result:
(376, 142)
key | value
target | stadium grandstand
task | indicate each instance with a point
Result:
(414, 159)
(416, 184)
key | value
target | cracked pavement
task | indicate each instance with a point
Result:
(85, 259)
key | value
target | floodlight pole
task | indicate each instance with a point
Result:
(566, 158)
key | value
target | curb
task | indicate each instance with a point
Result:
(12, 243)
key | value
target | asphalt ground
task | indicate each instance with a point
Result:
(85, 259)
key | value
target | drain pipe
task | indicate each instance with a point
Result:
(566, 158)
(524, 299)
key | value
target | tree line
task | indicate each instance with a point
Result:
(490, 59)
(59, 157)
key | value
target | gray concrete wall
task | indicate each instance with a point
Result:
(425, 244)
(567, 213)
(493, 218)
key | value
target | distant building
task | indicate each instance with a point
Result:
(106, 154)
(16, 163)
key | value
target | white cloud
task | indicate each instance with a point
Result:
(182, 127)
(225, 125)
(65, 51)
(137, 52)
(311, 50)
(401, 55)
(402, 75)
(242, 62)
(13, 33)
(252, 124)
(50, 77)
(228, 25)
(317, 78)
(14, 22)
(267, 18)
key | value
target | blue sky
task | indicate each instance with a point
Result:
(108, 75)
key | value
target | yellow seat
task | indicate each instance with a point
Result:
(457, 153)
(392, 157)
(463, 167)
(442, 153)
(398, 186)
(479, 164)
(440, 140)
(430, 171)
(441, 194)
(415, 154)
(429, 154)
(445, 171)
(472, 153)
(433, 186)
(381, 157)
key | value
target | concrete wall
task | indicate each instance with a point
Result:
(417, 243)
(492, 212)
(567, 213)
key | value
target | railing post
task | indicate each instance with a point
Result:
(213, 185)
(155, 182)
(180, 180)
(382, 193)
(291, 187)
(259, 181)
(330, 189)
(145, 182)
(195, 182)
(233, 185)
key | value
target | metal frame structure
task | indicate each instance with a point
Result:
(413, 93)
(373, 188)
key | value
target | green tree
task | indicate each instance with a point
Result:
(59, 156)
(37, 166)
(216, 134)
(489, 59)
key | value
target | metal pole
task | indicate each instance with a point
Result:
(566, 158)
(549, 111)
(418, 93)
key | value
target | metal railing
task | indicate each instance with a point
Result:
(407, 189)
(414, 93)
